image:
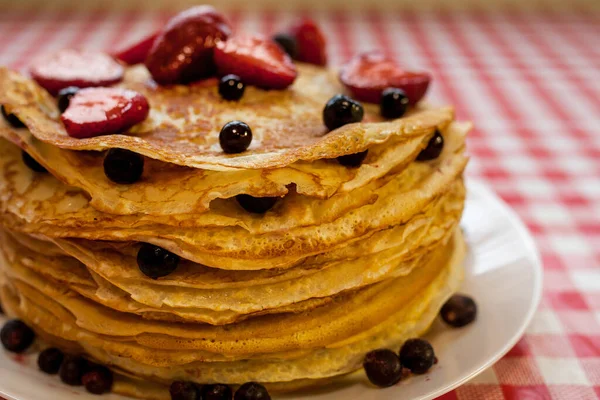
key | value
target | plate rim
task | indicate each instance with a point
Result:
(515, 221)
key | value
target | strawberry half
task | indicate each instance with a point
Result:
(104, 111)
(310, 42)
(137, 52)
(183, 49)
(77, 68)
(257, 60)
(368, 74)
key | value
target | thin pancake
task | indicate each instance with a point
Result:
(339, 355)
(185, 121)
(344, 317)
(401, 197)
(34, 196)
(50, 281)
(116, 262)
(254, 295)
(170, 190)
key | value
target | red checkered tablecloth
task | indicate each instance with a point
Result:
(529, 81)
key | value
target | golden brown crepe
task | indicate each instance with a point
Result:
(231, 246)
(184, 122)
(326, 341)
(348, 259)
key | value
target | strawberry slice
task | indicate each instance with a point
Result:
(310, 42)
(104, 111)
(77, 68)
(368, 74)
(257, 60)
(137, 52)
(183, 49)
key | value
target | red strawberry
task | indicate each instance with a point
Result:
(183, 50)
(76, 68)
(257, 60)
(136, 53)
(310, 43)
(104, 111)
(368, 74)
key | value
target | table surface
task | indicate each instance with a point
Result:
(531, 84)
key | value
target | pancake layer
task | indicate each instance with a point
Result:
(348, 260)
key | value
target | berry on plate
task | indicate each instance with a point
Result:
(257, 61)
(72, 370)
(104, 111)
(459, 310)
(252, 391)
(16, 336)
(383, 367)
(216, 391)
(183, 50)
(79, 68)
(368, 74)
(50, 360)
(417, 355)
(181, 390)
(98, 380)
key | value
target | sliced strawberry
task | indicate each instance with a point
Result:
(183, 49)
(104, 111)
(137, 52)
(310, 42)
(257, 60)
(368, 74)
(77, 68)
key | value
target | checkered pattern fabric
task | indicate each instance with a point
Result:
(531, 84)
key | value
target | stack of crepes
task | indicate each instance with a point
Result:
(348, 259)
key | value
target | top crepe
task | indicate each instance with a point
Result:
(185, 121)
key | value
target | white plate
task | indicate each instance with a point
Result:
(503, 274)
